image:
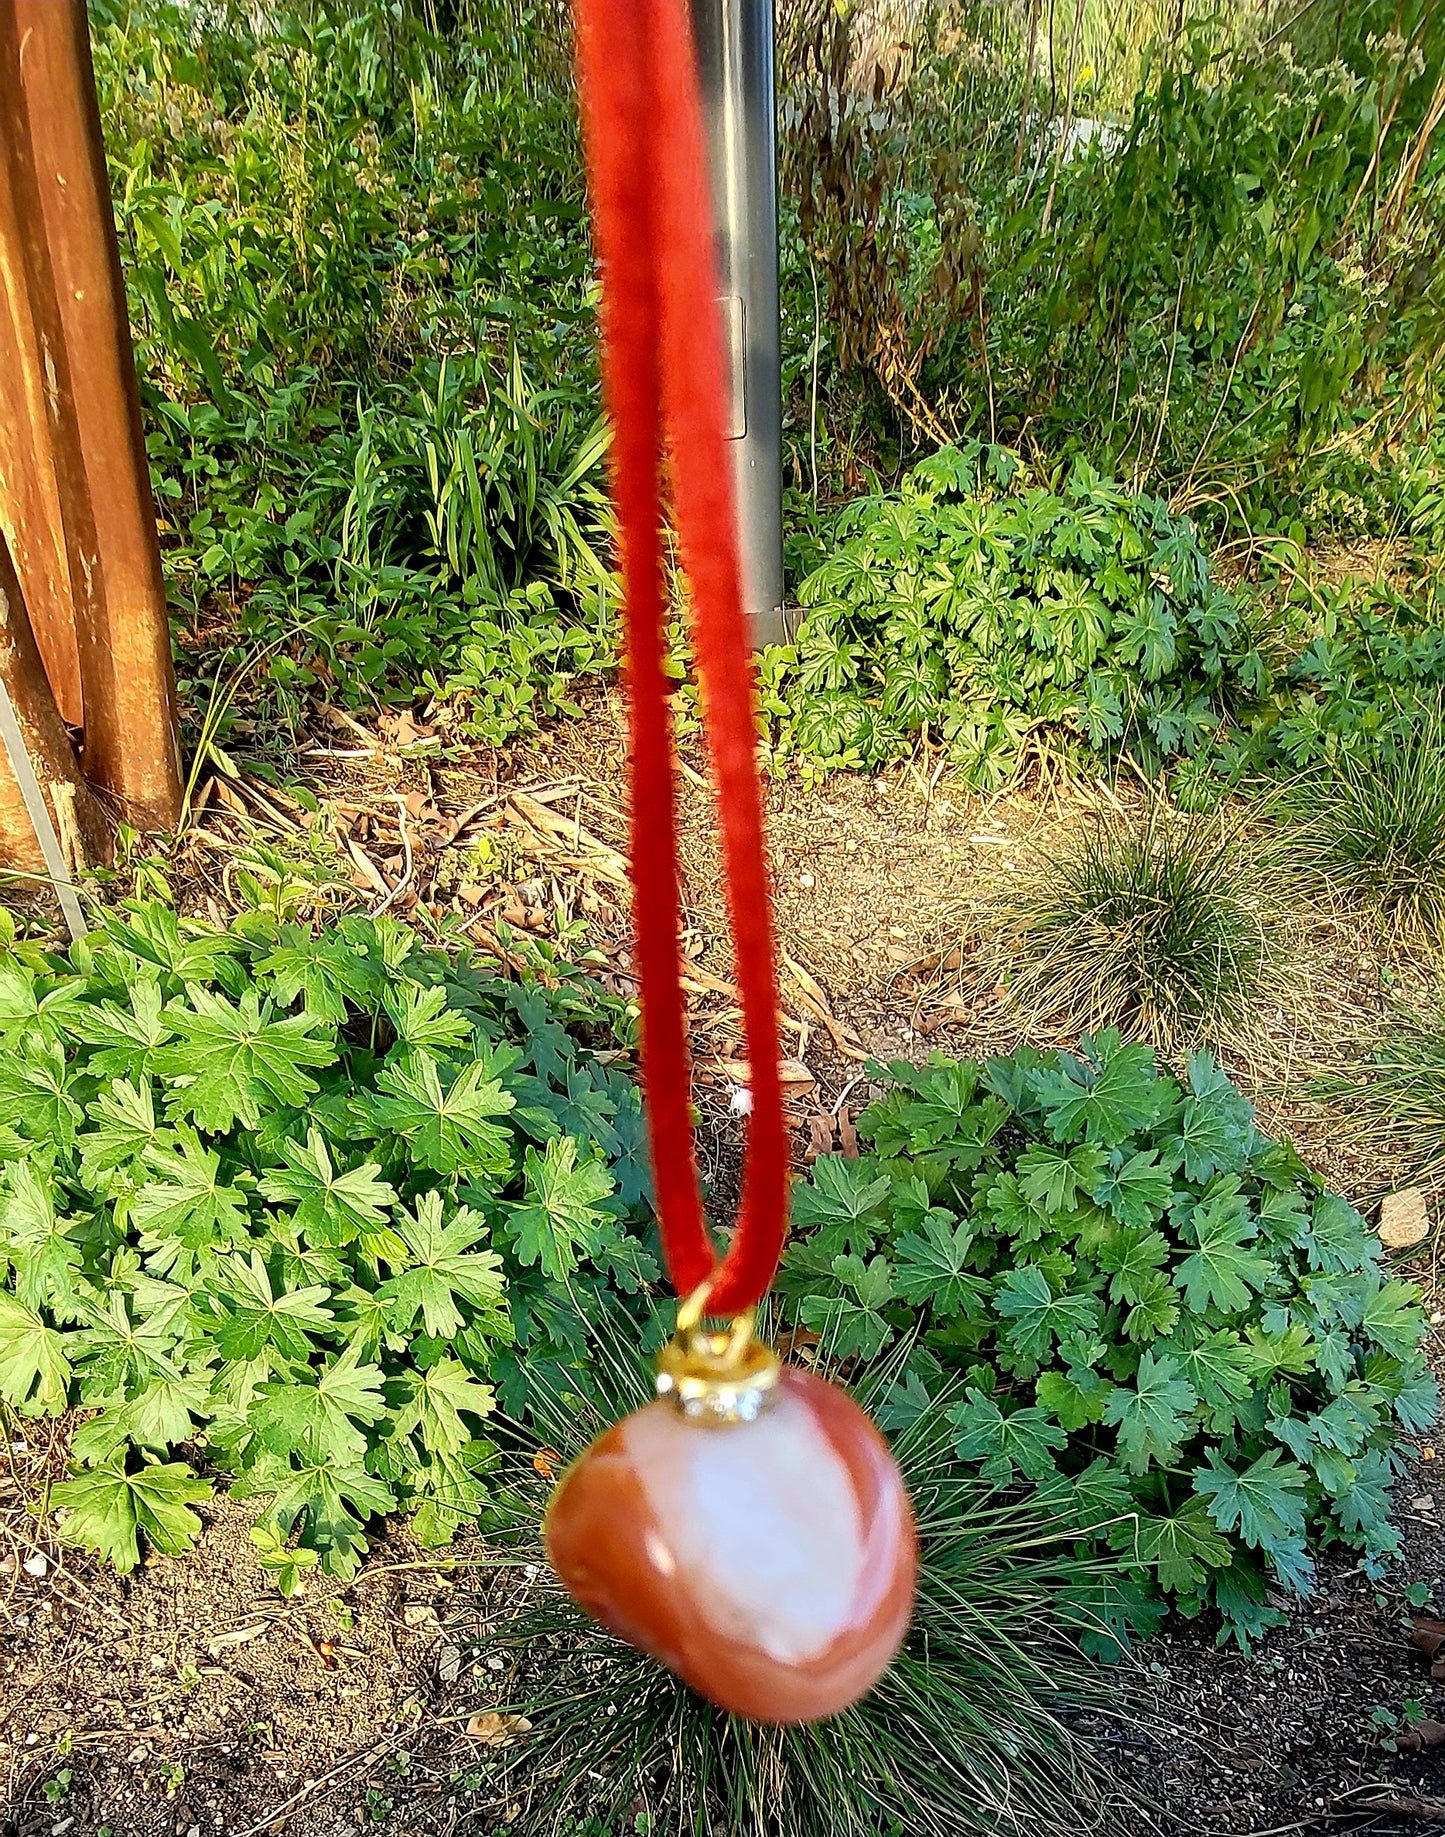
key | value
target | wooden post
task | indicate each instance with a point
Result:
(81, 828)
(30, 516)
(65, 229)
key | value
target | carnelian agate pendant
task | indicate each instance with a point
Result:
(749, 1529)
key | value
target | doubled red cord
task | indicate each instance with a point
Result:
(662, 371)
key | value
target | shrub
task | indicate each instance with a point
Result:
(981, 606)
(1372, 821)
(313, 1204)
(1208, 265)
(960, 1734)
(1161, 925)
(1167, 1329)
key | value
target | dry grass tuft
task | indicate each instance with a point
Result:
(1170, 927)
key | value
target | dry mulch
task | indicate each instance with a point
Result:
(190, 1699)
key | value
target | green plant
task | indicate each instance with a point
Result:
(1162, 925)
(1372, 821)
(1207, 262)
(287, 1562)
(357, 266)
(965, 1729)
(1169, 1333)
(1394, 1098)
(979, 608)
(57, 1789)
(314, 1202)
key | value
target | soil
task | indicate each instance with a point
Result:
(190, 1699)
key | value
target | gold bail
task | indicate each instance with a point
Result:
(716, 1376)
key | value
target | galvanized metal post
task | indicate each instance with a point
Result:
(734, 41)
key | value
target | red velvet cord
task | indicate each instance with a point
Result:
(662, 369)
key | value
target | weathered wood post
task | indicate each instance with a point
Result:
(59, 254)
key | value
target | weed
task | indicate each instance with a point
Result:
(1163, 925)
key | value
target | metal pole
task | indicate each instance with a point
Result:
(734, 41)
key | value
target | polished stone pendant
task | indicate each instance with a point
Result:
(749, 1529)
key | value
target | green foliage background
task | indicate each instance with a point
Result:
(1201, 259)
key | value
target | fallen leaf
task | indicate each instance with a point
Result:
(371, 874)
(546, 1461)
(402, 730)
(738, 1071)
(1404, 1218)
(1427, 1635)
(847, 1135)
(497, 1731)
(1426, 1734)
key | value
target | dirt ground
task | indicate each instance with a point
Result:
(191, 1699)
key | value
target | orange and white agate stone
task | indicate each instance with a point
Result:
(769, 1559)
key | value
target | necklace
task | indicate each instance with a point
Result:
(749, 1528)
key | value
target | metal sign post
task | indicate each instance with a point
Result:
(734, 41)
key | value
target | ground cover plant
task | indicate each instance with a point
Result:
(1349, 666)
(312, 1205)
(981, 605)
(969, 1727)
(1169, 927)
(1168, 1332)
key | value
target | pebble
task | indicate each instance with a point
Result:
(36, 1565)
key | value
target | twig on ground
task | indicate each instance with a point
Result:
(406, 872)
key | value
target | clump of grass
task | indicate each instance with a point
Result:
(1166, 926)
(1396, 1099)
(966, 1734)
(1372, 821)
